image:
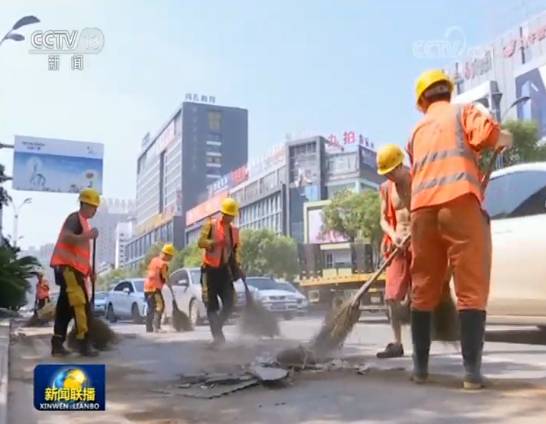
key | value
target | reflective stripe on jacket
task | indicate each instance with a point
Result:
(76, 256)
(213, 257)
(444, 151)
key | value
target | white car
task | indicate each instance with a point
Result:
(186, 285)
(274, 296)
(100, 303)
(126, 301)
(516, 202)
(301, 300)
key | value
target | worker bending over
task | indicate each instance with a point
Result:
(157, 275)
(42, 292)
(395, 223)
(220, 239)
(447, 221)
(71, 265)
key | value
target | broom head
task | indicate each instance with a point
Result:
(180, 321)
(46, 312)
(256, 320)
(100, 335)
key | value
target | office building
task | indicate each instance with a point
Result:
(124, 232)
(198, 144)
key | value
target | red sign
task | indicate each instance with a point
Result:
(510, 48)
(478, 66)
(349, 138)
(205, 209)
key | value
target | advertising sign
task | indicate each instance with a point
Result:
(317, 232)
(205, 209)
(350, 140)
(62, 166)
(532, 83)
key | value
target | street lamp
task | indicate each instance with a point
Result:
(16, 210)
(11, 35)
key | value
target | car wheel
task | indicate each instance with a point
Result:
(288, 316)
(194, 313)
(110, 315)
(135, 314)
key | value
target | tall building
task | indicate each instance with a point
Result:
(198, 144)
(124, 232)
(109, 214)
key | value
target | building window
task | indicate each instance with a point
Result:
(215, 121)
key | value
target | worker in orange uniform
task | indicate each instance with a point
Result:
(395, 223)
(448, 224)
(71, 264)
(42, 292)
(220, 239)
(157, 275)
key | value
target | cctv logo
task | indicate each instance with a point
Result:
(86, 41)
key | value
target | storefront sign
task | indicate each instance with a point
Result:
(518, 42)
(478, 66)
(349, 138)
(205, 209)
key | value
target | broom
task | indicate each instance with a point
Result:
(100, 334)
(339, 323)
(180, 321)
(256, 319)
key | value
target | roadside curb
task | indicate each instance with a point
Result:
(4, 368)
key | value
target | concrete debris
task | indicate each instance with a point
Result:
(268, 374)
(298, 358)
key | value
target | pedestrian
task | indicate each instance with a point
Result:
(448, 224)
(71, 264)
(157, 275)
(395, 223)
(220, 240)
(42, 292)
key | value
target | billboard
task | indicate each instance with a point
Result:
(317, 232)
(62, 166)
(532, 83)
(205, 209)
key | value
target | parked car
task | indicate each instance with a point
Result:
(100, 303)
(126, 301)
(186, 285)
(301, 300)
(516, 202)
(274, 296)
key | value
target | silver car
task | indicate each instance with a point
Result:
(275, 297)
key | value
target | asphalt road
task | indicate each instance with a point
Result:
(143, 370)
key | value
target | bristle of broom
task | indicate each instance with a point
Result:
(100, 335)
(256, 320)
(336, 327)
(445, 321)
(180, 321)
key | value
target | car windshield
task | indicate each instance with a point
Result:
(263, 283)
(139, 285)
(196, 276)
(288, 287)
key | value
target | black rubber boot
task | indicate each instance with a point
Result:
(57, 348)
(420, 334)
(86, 349)
(216, 329)
(472, 336)
(157, 321)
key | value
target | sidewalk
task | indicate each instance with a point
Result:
(4, 369)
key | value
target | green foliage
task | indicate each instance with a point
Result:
(14, 274)
(263, 252)
(152, 253)
(4, 196)
(106, 281)
(354, 215)
(192, 256)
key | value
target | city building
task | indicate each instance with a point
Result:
(198, 144)
(124, 232)
(109, 214)
(510, 67)
(273, 191)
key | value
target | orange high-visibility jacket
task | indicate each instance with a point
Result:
(213, 257)
(158, 270)
(385, 191)
(76, 256)
(444, 151)
(42, 289)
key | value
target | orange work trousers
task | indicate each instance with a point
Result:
(456, 233)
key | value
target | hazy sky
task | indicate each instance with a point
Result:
(300, 67)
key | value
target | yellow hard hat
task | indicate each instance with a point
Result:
(168, 249)
(428, 78)
(388, 158)
(229, 207)
(90, 197)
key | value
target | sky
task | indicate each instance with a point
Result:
(300, 68)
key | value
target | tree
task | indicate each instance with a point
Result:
(192, 256)
(4, 196)
(14, 275)
(106, 281)
(152, 253)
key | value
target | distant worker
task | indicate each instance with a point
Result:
(220, 239)
(395, 223)
(71, 264)
(448, 224)
(156, 277)
(42, 291)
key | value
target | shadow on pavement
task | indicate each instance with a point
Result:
(524, 336)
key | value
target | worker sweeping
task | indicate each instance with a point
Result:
(42, 292)
(220, 240)
(395, 223)
(157, 275)
(448, 224)
(71, 264)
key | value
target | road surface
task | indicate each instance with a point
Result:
(143, 368)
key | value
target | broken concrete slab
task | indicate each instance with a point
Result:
(268, 374)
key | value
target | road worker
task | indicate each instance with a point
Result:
(447, 221)
(220, 240)
(156, 277)
(42, 292)
(395, 223)
(71, 265)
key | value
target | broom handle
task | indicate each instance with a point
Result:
(375, 276)
(489, 170)
(93, 261)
